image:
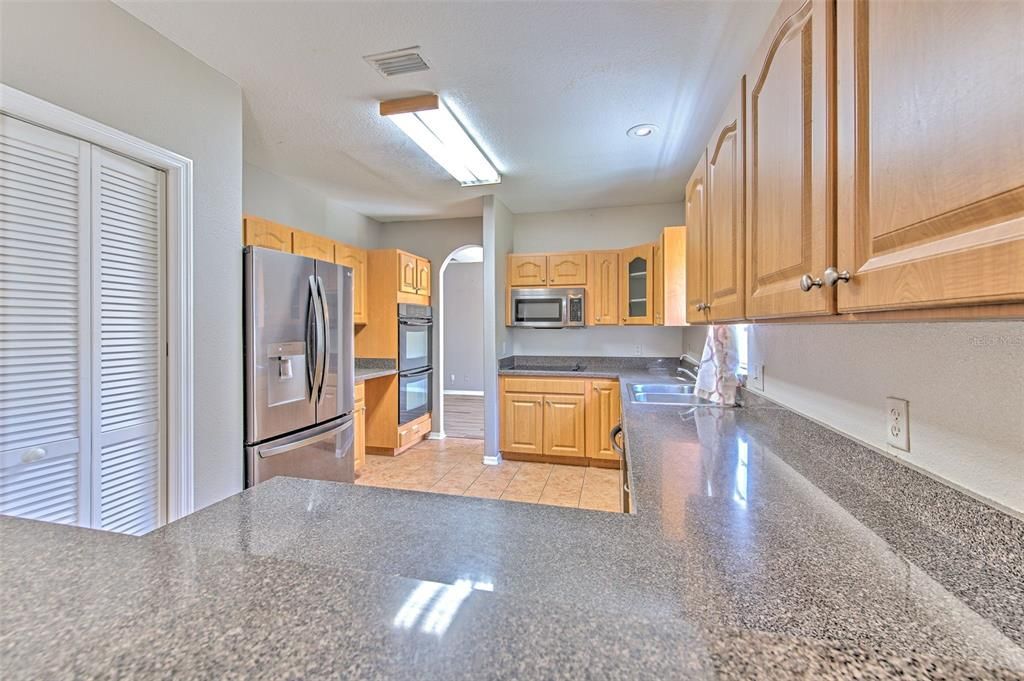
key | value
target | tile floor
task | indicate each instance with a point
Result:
(452, 466)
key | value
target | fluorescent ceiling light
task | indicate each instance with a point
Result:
(433, 127)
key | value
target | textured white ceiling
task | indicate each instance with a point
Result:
(548, 88)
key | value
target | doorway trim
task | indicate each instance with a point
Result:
(439, 433)
(179, 352)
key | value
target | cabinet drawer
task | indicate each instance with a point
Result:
(549, 386)
(413, 431)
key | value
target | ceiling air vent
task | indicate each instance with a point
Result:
(397, 62)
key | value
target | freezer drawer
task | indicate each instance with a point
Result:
(325, 452)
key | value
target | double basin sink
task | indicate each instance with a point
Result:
(666, 393)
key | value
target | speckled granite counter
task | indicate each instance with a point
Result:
(368, 369)
(763, 546)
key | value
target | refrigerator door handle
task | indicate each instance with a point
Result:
(326, 320)
(305, 441)
(317, 342)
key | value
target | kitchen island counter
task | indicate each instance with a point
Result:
(763, 545)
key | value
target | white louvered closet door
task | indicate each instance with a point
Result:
(127, 231)
(44, 324)
(81, 333)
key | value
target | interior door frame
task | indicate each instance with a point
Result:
(179, 426)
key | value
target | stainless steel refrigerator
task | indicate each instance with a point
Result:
(299, 368)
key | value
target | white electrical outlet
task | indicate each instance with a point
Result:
(639, 350)
(897, 423)
(453, 379)
(757, 377)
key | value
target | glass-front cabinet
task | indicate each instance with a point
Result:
(636, 285)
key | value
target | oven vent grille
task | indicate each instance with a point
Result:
(398, 62)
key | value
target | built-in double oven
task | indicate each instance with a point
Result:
(415, 372)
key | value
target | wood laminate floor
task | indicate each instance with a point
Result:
(454, 466)
(464, 416)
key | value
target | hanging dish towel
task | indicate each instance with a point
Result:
(716, 377)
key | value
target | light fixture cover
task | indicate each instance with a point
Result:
(435, 129)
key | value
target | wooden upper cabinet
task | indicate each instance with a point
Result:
(672, 264)
(603, 294)
(408, 273)
(567, 269)
(636, 280)
(522, 423)
(696, 243)
(603, 414)
(313, 246)
(931, 154)
(790, 227)
(725, 294)
(658, 284)
(423, 276)
(564, 433)
(259, 232)
(527, 270)
(353, 257)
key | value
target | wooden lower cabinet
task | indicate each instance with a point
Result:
(603, 412)
(564, 433)
(360, 425)
(559, 419)
(522, 423)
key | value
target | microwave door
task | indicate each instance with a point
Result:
(279, 314)
(540, 311)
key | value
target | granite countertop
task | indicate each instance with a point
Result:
(368, 369)
(762, 546)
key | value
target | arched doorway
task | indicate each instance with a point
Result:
(467, 254)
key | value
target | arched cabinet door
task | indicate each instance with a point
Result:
(790, 216)
(636, 285)
(931, 154)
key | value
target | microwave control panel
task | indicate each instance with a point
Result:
(575, 310)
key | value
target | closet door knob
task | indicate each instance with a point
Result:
(834, 276)
(807, 283)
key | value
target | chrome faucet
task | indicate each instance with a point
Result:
(686, 372)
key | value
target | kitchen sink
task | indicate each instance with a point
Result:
(665, 393)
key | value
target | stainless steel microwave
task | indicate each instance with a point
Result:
(548, 308)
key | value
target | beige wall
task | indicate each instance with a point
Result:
(100, 62)
(596, 229)
(464, 326)
(294, 203)
(964, 381)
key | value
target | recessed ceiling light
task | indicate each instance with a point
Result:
(642, 130)
(432, 126)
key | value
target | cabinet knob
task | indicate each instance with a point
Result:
(807, 283)
(834, 276)
(701, 307)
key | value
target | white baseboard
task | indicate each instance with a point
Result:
(475, 393)
(492, 460)
(436, 435)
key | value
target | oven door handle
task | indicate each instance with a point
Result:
(417, 373)
(414, 322)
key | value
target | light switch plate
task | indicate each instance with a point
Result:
(897, 423)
